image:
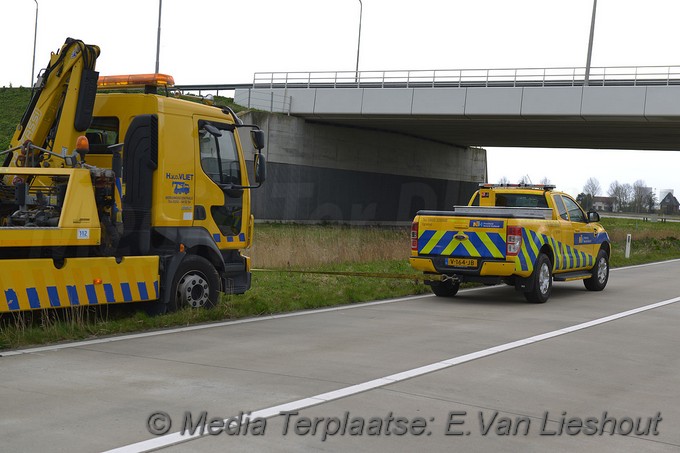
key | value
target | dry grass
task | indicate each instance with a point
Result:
(308, 246)
(280, 246)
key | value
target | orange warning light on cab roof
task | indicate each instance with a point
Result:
(135, 80)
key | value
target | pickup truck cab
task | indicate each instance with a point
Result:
(523, 235)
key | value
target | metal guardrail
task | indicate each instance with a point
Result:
(600, 76)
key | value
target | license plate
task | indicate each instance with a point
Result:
(462, 262)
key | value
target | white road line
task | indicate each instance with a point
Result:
(78, 344)
(175, 438)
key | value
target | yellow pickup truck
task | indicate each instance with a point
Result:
(523, 235)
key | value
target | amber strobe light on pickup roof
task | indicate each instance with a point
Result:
(514, 240)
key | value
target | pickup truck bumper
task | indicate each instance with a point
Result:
(486, 268)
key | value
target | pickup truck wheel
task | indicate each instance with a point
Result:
(600, 273)
(542, 281)
(448, 288)
(195, 284)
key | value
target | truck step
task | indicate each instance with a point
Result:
(569, 276)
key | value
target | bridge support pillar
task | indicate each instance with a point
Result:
(320, 172)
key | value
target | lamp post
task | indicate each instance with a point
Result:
(361, 10)
(35, 37)
(158, 40)
(590, 44)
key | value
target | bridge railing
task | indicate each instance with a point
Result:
(599, 76)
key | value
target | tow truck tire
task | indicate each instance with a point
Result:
(600, 273)
(448, 288)
(195, 285)
(542, 281)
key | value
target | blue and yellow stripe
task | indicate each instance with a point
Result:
(30, 284)
(492, 244)
(478, 244)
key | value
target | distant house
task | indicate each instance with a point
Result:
(669, 204)
(605, 204)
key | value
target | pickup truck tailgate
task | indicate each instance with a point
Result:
(462, 237)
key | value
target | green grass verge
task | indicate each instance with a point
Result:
(651, 241)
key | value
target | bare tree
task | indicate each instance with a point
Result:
(504, 180)
(626, 195)
(640, 195)
(650, 201)
(525, 180)
(545, 181)
(592, 187)
(620, 193)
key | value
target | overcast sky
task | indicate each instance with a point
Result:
(211, 41)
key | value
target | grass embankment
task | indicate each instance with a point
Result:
(318, 248)
(13, 102)
(651, 241)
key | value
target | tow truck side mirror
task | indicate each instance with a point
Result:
(260, 164)
(593, 216)
(257, 137)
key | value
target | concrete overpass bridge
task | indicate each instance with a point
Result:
(621, 108)
(377, 146)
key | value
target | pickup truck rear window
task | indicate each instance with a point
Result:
(513, 200)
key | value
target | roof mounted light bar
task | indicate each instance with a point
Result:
(521, 186)
(135, 81)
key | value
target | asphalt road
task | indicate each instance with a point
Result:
(483, 371)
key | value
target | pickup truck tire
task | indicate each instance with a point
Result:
(542, 281)
(600, 273)
(445, 289)
(196, 284)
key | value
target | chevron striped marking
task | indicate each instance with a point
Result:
(30, 284)
(485, 244)
(479, 244)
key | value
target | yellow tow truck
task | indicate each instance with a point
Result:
(110, 196)
(523, 235)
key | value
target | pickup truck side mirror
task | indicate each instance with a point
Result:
(593, 216)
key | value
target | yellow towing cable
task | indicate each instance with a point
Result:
(423, 278)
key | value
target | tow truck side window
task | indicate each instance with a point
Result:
(103, 131)
(561, 209)
(575, 213)
(219, 158)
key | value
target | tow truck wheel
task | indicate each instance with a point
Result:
(542, 281)
(448, 288)
(600, 273)
(196, 284)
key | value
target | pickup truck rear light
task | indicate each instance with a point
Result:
(414, 237)
(513, 242)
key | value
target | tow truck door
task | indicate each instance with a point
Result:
(219, 159)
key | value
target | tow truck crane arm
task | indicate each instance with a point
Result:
(66, 88)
